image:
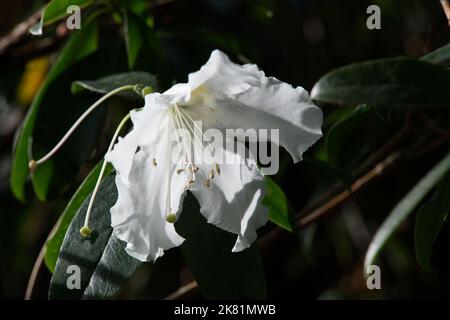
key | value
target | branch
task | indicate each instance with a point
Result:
(19, 32)
(344, 195)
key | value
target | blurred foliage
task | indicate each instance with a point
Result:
(312, 43)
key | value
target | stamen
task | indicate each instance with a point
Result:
(34, 164)
(171, 217)
(85, 230)
(187, 151)
(154, 163)
(198, 128)
(191, 168)
(181, 111)
(179, 171)
(207, 183)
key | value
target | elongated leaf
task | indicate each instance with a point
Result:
(220, 273)
(338, 134)
(81, 44)
(439, 56)
(133, 38)
(54, 11)
(278, 205)
(108, 83)
(404, 208)
(385, 84)
(101, 258)
(53, 244)
(429, 221)
(112, 271)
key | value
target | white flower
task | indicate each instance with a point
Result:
(151, 183)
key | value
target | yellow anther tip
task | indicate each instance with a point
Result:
(85, 231)
(32, 165)
(171, 218)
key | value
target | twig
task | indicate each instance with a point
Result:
(182, 291)
(39, 262)
(445, 138)
(34, 273)
(20, 31)
(344, 195)
(374, 158)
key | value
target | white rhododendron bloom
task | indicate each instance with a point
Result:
(152, 180)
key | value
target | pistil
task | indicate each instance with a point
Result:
(85, 230)
(33, 164)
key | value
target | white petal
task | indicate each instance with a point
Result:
(221, 75)
(243, 97)
(232, 201)
(139, 216)
(146, 123)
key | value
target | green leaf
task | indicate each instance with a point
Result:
(102, 259)
(277, 204)
(429, 221)
(81, 44)
(340, 131)
(385, 84)
(133, 38)
(53, 244)
(404, 208)
(439, 56)
(54, 11)
(108, 83)
(112, 271)
(219, 273)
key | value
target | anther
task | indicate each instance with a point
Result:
(154, 162)
(171, 218)
(207, 183)
(32, 165)
(211, 174)
(217, 169)
(179, 171)
(85, 231)
(196, 169)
